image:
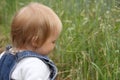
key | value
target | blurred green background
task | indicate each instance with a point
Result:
(89, 46)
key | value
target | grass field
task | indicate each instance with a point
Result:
(89, 46)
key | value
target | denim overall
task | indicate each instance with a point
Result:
(9, 61)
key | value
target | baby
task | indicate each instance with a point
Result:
(34, 31)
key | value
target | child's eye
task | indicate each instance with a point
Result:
(53, 42)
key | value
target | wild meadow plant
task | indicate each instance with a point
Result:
(89, 46)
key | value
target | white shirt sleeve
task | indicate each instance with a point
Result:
(31, 69)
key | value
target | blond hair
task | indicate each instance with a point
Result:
(34, 21)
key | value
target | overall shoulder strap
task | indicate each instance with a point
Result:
(7, 62)
(24, 54)
(45, 59)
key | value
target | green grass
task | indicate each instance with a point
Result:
(89, 46)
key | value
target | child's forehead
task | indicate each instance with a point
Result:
(56, 33)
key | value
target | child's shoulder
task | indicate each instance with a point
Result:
(31, 61)
(31, 66)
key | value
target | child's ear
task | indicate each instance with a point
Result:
(34, 42)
